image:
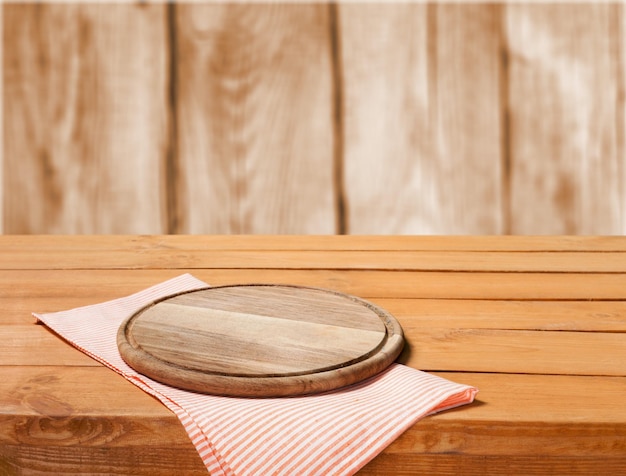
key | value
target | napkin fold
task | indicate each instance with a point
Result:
(335, 433)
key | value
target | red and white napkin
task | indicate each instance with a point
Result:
(332, 433)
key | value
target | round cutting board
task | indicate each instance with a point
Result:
(260, 340)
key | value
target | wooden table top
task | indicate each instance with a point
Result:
(538, 324)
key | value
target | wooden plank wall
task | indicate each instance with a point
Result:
(422, 118)
(255, 135)
(566, 103)
(373, 118)
(85, 118)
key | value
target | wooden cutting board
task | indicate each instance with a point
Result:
(260, 340)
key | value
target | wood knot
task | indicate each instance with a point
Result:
(47, 405)
(67, 431)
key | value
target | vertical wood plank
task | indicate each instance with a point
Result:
(422, 118)
(1, 123)
(565, 102)
(85, 126)
(254, 118)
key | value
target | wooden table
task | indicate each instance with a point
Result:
(537, 324)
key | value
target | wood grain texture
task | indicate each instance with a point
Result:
(496, 336)
(1, 120)
(52, 422)
(292, 118)
(61, 390)
(62, 411)
(108, 246)
(86, 126)
(515, 351)
(494, 465)
(260, 341)
(449, 346)
(92, 461)
(368, 284)
(422, 118)
(573, 316)
(254, 119)
(543, 429)
(29, 344)
(566, 112)
(581, 316)
(595, 262)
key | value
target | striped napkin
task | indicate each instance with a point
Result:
(335, 433)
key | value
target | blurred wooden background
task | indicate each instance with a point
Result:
(313, 118)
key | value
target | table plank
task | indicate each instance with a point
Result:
(535, 421)
(149, 459)
(519, 261)
(535, 352)
(366, 284)
(412, 464)
(591, 400)
(25, 252)
(36, 345)
(515, 401)
(54, 420)
(148, 243)
(607, 316)
(426, 348)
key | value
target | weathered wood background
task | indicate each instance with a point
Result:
(313, 118)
